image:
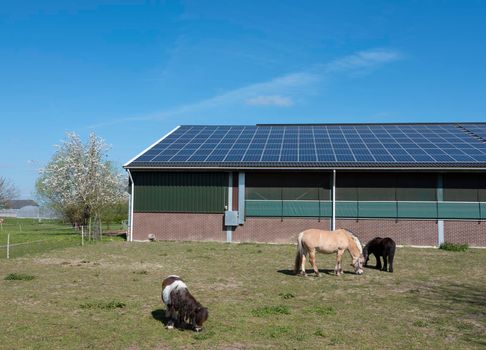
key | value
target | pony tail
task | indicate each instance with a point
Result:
(300, 253)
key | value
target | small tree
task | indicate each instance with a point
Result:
(79, 182)
(115, 213)
(7, 192)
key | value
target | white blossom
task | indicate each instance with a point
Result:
(79, 181)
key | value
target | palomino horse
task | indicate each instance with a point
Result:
(328, 242)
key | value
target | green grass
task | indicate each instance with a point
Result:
(270, 310)
(321, 310)
(108, 296)
(18, 277)
(454, 247)
(103, 305)
(30, 237)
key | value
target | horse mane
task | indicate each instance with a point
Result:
(186, 305)
(356, 240)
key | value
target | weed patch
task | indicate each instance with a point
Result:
(420, 323)
(453, 247)
(103, 305)
(321, 310)
(270, 310)
(19, 277)
(286, 295)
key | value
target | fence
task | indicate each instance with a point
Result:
(19, 237)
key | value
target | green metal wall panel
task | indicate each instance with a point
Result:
(419, 210)
(378, 209)
(451, 210)
(287, 208)
(180, 192)
(301, 208)
(346, 209)
(263, 208)
(352, 209)
(326, 209)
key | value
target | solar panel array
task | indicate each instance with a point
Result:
(319, 146)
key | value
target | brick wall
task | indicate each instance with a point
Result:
(209, 227)
(179, 226)
(275, 230)
(470, 232)
(403, 232)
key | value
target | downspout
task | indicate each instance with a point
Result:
(130, 239)
(241, 198)
(440, 198)
(229, 229)
(333, 220)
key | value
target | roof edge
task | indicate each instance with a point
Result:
(149, 147)
(363, 124)
(316, 168)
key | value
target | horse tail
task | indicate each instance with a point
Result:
(300, 253)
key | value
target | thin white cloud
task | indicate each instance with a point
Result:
(272, 100)
(363, 60)
(271, 92)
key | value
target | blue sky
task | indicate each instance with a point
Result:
(130, 71)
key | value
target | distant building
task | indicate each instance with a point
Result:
(18, 204)
(26, 208)
(20, 208)
(419, 183)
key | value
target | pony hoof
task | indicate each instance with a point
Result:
(317, 274)
(170, 326)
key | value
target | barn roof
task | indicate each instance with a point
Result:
(320, 146)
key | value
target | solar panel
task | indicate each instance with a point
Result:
(319, 145)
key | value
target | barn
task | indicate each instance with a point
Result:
(419, 183)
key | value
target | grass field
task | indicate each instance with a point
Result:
(29, 236)
(108, 296)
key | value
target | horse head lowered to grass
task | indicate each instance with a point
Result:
(380, 247)
(328, 242)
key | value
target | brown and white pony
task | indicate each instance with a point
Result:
(181, 305)
(328, 242)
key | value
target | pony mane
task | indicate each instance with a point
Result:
(356, 240)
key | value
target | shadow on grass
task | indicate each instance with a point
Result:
(373, 267)
(464, 300)
(310, 272)
(461, 295)
(159, 315)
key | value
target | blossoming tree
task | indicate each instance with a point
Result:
(7, 192)
(80, 182)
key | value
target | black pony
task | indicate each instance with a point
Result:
(384, 247)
